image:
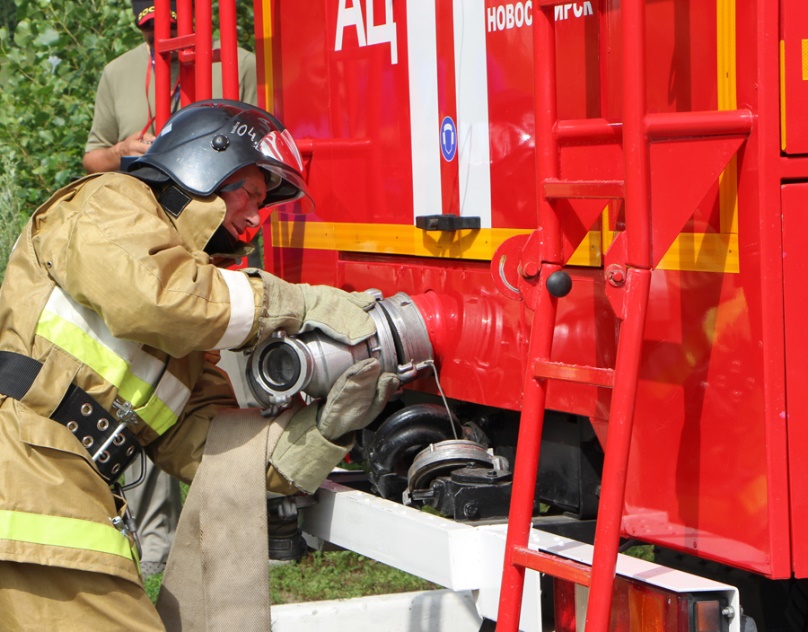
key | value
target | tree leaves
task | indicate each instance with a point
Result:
(49, 69)
(52, 53)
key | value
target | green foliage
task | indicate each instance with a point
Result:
(52, 53)
(152, 586)
(50, 63)
(12, 218)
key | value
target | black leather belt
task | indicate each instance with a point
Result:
(106, 436)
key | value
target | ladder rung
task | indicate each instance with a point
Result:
(180, 42)
(552, 565)
(599, 189)
(595, 376)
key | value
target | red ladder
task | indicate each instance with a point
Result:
(196, 53)
(642, 245)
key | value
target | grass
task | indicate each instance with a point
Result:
(330, 575)
(322, 576)
(338, 575)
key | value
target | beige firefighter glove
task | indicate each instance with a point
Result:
(297, 308)
(356, 398)
(318, 437)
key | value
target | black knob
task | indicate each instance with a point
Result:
(559, 283)
(220, 142)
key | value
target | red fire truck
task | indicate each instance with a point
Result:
(596, 207)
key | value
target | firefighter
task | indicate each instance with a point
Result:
(113, 308)
(123, 125)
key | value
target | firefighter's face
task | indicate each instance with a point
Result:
(244, 203)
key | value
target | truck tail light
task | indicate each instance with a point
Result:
(639, 607)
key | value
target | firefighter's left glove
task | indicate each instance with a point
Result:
(319, 436)
(297, 308)
(356, 399)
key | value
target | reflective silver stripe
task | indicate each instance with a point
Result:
(242, 310)
(141, 364)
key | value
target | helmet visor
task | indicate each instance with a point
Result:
(281, 146)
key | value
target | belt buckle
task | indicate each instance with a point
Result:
(124, 411)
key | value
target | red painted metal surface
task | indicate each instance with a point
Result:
(527, 459)
(552, 565)
(712, 387)
(795, 226)
(162, 65)
(203, 62)
(185, 29)
(596, 376)
(715, 467)
(229, 54)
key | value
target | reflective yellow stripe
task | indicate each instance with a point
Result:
(157, 415)
(394, 239)
(727, 100)
(707, 252)
(109, 366)
(804, 44)
(269, 43)
(60, 531)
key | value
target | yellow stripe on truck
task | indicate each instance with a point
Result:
(707, 252)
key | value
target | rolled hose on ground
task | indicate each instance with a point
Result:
(397, 441)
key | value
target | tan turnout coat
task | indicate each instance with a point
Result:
(113, 294)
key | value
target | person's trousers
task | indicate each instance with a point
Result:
(155, 505)
(35, 597)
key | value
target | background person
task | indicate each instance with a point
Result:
(123, 118)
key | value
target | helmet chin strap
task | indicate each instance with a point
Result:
(221, 243)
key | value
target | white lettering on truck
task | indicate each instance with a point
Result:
(518, 14)
(562, 11)
(368, 32)
(508, 16)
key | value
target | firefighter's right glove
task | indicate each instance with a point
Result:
(319, 436)
(297, 308)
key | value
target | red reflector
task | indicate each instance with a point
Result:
(708, 616)
(641, 607)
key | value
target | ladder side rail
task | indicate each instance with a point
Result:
(636, 153)
(528, 442)
(526, 466)
(185, 27)
(162, 65)
(616, 452)
(635, 141)
(546, 116)
(228, 47)
(203, 58)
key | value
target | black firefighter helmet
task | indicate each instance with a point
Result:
(203, 144)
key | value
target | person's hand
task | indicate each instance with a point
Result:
(135, 145)
(356, 399)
